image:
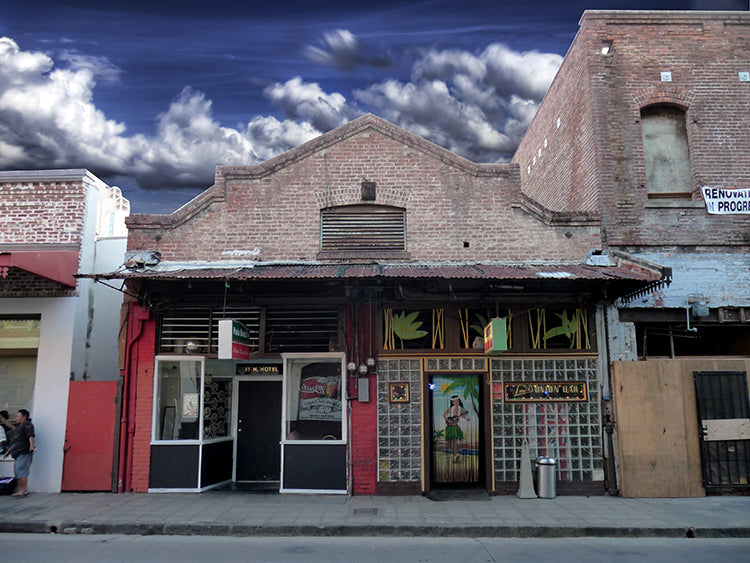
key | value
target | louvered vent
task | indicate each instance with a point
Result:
(286, 330)
(200, 326)
(301, 330)
(362, 230)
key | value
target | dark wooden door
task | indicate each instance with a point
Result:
(258, 431)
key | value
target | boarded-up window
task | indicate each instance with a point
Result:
(362, 231)
(665, 149)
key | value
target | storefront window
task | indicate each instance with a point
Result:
(19, 340)
(217, 412)
(313, 398)
(177, 403)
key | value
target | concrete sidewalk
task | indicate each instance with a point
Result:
(230, 513)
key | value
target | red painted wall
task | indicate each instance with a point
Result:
(363, 432)
(142, 367)
(90, 436)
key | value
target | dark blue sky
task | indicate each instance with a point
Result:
(151, 96)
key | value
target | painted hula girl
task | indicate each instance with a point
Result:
(453, 432)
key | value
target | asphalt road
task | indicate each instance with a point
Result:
(43, 548)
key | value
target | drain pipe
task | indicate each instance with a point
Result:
(127, 426)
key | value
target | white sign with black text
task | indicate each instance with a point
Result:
(727, 200)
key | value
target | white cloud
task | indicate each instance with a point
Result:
(308, 101)
(102, 69)
(190, 143)
(477, 105)
(48, 120)
(47, 116)
(343, 50)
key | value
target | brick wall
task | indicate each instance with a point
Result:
(16, 283)
(557, 155)
(704, 51)
(41, 212)
(455, 210)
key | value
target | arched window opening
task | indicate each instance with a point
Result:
(665, 149)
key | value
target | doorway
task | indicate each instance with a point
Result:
(724, 423)
(258, 448)
(456, 419)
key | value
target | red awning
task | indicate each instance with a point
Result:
(55, 265)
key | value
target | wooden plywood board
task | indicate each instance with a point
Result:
(726, 429)
(657, 425)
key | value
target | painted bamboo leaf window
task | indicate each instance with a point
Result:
(473, 321)
(559, 328)
(405, 329)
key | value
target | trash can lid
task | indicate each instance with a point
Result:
(546, 461)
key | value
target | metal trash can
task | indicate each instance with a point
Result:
(546, 468)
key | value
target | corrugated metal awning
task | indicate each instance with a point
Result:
(553, 273)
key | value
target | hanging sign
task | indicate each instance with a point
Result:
(726, 201)
(495, 337)
(234, 340)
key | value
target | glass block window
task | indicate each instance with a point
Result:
(569, 432)
(456, 364)
(399, 424)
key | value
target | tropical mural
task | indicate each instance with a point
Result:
(415, 329)
(455, 428)
(559, 328)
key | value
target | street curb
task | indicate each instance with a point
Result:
(242, 530)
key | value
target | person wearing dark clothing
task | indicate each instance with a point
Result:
(22, 449)
(6, 431)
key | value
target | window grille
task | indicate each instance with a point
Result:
(301, 330)
(362, 230)
(196, 330)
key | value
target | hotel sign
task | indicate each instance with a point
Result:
(259, 369)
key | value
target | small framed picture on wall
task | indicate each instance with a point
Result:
(398, 393)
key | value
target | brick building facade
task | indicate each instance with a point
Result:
(648, 109)
(374, 259)
(53, 224)
(365, 264)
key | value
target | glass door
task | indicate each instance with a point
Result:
(455, 403)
